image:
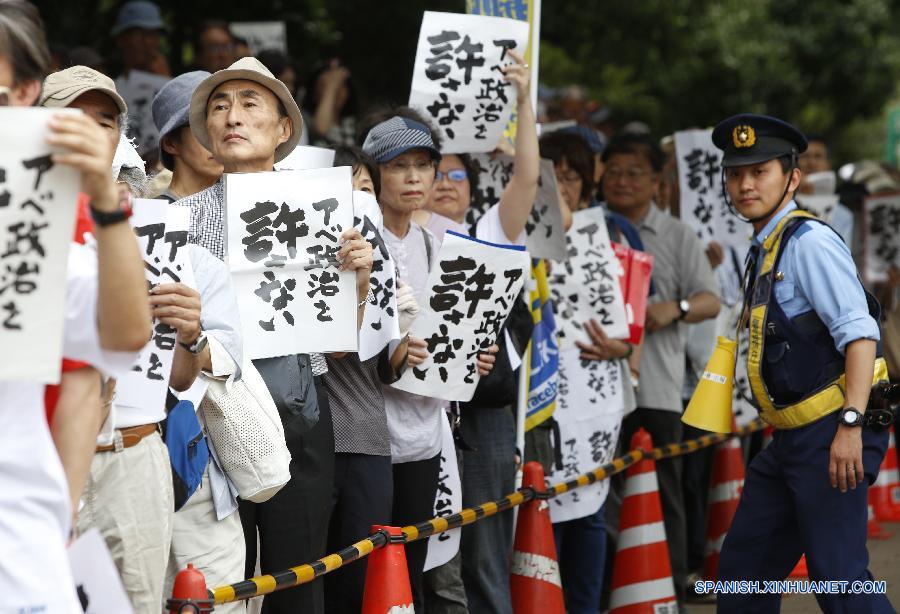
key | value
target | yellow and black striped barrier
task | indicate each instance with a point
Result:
(302, 574)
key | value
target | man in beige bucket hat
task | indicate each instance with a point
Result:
(248, 120)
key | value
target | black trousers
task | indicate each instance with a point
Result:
(362, 496)
(293, 525)
(697, 468)
(415, 487)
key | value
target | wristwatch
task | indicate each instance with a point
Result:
(107, 218)
(850, 416)
(683, 308)
(197, 346)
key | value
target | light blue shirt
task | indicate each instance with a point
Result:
(819, 274)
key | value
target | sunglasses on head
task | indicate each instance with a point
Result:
(456, 175)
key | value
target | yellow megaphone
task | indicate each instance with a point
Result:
(710, 406)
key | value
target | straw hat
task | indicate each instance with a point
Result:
(250, 69)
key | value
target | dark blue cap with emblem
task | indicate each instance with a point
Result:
(749, 138)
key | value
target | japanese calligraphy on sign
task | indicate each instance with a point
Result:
(703, 207)
(588, 284)
(822, 206)
(458, 79)
(545, 236)
(284, 231)
(37, 218)
(138, 89)
(162, 232)
(447, 500)
(882, 235)
(381, 324)
(589, 411)
(469, 294)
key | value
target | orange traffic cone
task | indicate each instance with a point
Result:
(800, 570)
(642, 575)
(189, 594)
(724, 496)
(534, 579)
(874, 529)
(884, 494)
(387, 577)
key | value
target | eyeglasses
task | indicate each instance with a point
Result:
(570, 178)
(401, 167)
(456, 175)
(632, 174)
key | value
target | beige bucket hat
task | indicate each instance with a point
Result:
(62, 87)
(251, 69)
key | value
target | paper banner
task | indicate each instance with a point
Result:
(457, 78)
(37, 219)
(588, 285)
(469, 294)
(284, 231)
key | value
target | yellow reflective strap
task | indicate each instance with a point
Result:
(815, 406)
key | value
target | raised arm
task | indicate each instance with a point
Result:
(517, 198)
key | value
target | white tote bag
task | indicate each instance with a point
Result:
(245, 428)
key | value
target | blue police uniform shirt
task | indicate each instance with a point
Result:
(819, 274)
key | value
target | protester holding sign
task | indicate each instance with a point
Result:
(35, 517)
(363, 479)
(249, 120)
(597, 370)
(685, 291)
(407, 154)
(489, 468)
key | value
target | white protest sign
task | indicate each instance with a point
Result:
(380, 323)
(882, 235)
(37, 220)
(447, 501)
(261, 35)
(742, 405)
(97, 581)
(587, 285)
(822, 206)
(284, 231)
(703, 207)
(469, 293)
(589, 410)
(545, 236)
(162, 232)
(138, 88)
(305, 157)
(823, 183)
(457, 77)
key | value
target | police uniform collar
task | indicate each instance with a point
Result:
(762, 235)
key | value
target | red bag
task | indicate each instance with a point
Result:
(635, 283)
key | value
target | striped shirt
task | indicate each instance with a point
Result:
(207, 229)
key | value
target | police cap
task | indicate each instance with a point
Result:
(749, 138)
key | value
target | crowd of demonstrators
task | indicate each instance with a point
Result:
(362, 452)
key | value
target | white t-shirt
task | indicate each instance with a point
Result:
(414, 421)
(35, 516)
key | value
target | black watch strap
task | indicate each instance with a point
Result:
(107, 218)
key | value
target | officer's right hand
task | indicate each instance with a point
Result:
(845, 467)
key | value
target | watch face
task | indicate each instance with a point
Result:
(850, 417)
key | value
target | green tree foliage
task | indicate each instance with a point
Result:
(679, 63)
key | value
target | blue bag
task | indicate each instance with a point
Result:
(188, 451)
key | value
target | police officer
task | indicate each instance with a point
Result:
(814, 355)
